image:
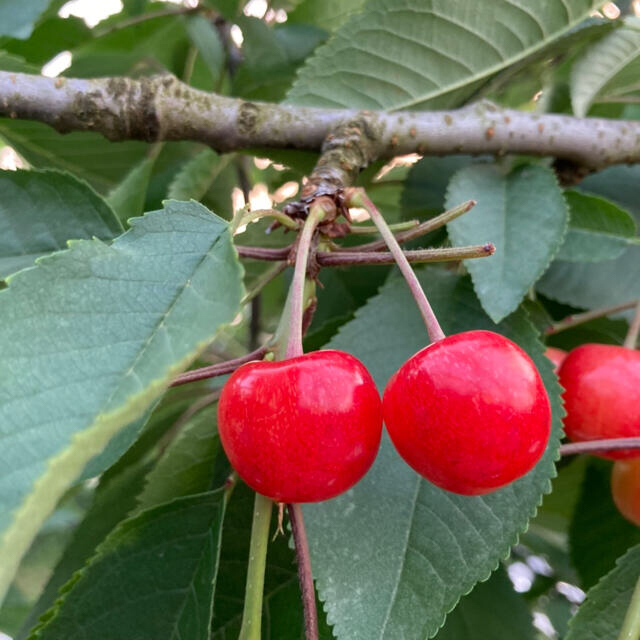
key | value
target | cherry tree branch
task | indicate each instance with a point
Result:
(164, 108)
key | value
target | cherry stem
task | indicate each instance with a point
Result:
(599, 446)
(422, 229)
(219, 369)
(367, 229)
(257, 214)
(252, 613)
(580, 318)
(631, 626)
(294, 342)
(359, 198)
(304, 571)
(634, 329)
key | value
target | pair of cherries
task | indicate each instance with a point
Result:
(468, 412)
(602, 400)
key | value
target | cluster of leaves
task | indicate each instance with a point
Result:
(114, 514)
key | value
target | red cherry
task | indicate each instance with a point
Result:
(304, 429)
(625, 488)
(602, 394)
(556, 356)
(469, 412)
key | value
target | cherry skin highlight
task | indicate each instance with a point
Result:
(304, 429)
(625, 488)
(602, 394)
(469, 413)
(556, 356)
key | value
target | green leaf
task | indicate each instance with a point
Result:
(128, 198)
(329, 14)
(49, 38)
(18, 20)
(598, 229)
(425, 188)
(590, 285)
(206, 39)
(114, 498)
(399, 54)
(41, 210)
(601, 615)
(618, 184)
(524, 214)
(436, 544)
(126, 319)
(197, 175)
(194, 463)
(598, 533)
(492, 610)
(609, 70)
(153, 577)
(272, 56)
(84, 154)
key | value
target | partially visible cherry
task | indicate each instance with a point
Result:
(304, 429)
(625, 488)
(469, 412)
(556, 356)
(602, 394)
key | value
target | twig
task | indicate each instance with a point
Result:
(304, 571)
(340, 258)
(580, 318)
(337, 259)
(634, 329)
(599, 446)
(219, 369)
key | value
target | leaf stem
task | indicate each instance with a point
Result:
(282, 218)
(359, 198)
(252, 613)
(422, 229)
(294, 342)
(270, 274)
(400, 226)
(304, 572)
(634, 329)
(580, 318)
(631, 625)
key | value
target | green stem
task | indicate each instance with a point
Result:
(282, 218)
(631, 625)
(252, 614)
(360, 199)
(270, 274)
(580, 318)
(399, 226)
(634, 329)
(297, 290)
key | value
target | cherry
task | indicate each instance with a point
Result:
(625, 488)
(304, 429)
(602, 394)
(556, 356)
(469, 412)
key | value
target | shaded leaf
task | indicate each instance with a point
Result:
(399, 54)
(329, 14)
(156, 571)
(598, 533)
(600, 616)
(206, 39)
(436, 544)
(126, 319)
(196, 176)
(524, 214)
(18, 20)
(492, 610)
(128, 198)
(609, 70)
(41, 210)
(598, 229)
